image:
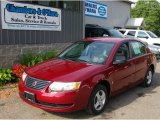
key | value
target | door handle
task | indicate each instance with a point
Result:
(125, 66)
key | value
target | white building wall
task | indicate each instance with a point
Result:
(118, 13)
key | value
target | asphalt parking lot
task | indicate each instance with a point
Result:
(136, 103)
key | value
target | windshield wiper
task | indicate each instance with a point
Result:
(66, 58)
(60, 58)
(84, 61)
(73, 59)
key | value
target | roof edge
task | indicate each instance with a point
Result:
(128, 1)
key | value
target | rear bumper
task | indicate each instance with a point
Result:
(59, 101)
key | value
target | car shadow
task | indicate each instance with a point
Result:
(116, 102)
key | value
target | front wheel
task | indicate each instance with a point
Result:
(98, 100)
(148, 78)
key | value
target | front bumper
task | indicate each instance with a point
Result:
(58, 101)
(158, 55)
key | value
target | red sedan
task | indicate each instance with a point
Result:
(87, 74)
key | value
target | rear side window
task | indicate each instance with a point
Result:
(131, 33)
(138, 49)
(142, 34)
(122, 31)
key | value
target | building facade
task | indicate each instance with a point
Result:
(118, 12)
(26, 25)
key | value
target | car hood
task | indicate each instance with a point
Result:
(62, 70)
(153, 40)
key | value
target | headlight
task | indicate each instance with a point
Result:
(64, 86)
(24, 75)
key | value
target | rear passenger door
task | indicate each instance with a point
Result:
(139, 56)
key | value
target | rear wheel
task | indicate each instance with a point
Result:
(148, 78)
(98, 100)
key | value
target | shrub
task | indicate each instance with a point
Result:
(18, 70)
(31, 58)
(6, 75)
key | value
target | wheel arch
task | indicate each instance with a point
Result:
(152, 67)
(106, 84)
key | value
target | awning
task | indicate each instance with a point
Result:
(135, 23)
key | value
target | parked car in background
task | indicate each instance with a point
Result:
(155, 49)
(87, 74)
(92, 30)
(148, 36)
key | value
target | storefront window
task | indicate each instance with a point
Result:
(67, 5)
(71, 5)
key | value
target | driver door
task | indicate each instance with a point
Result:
(123, 74)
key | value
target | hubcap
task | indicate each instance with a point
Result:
(149, 77)
(99, 100)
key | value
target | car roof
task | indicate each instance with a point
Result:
(109, 39)
(97, 26)
(133, 30)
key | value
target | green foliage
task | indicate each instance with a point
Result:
(31, 58)
(150, 11)
(6, 75)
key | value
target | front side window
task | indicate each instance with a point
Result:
(142, 35)
(138, 49)
(152, 35)
(123, 51)
(91, 52)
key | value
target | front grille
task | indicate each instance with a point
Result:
(35, 83)
(54, 105)
(157, 44)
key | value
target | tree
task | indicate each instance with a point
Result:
(150, 11)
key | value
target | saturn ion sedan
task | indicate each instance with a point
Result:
(87, 74)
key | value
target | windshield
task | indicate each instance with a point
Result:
(115, 33)
(90, 52)
(152, 35)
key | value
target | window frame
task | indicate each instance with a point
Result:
(128, 52)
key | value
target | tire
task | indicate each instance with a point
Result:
(148, 78)
(98, 100)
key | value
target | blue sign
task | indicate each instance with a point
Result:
(95, 9)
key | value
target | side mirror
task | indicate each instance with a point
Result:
(119, 59)
(146, 37)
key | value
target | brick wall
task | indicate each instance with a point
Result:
(9, 54)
